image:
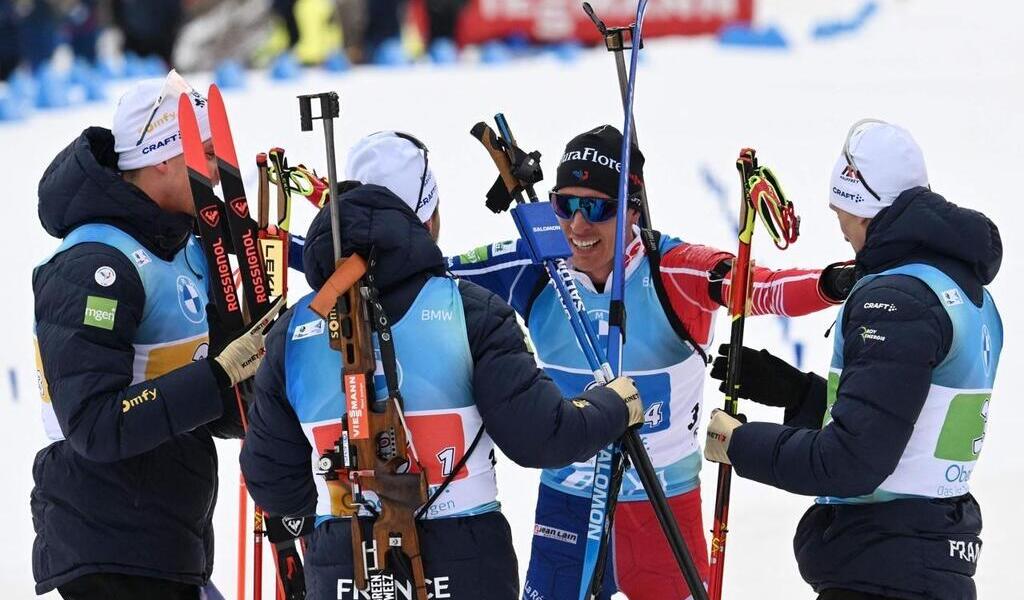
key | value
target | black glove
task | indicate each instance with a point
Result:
(837, 280)
(764, 378)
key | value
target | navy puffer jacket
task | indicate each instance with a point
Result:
(903, 548)
(123, 495)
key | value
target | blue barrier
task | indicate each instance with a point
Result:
(567, 51)
(834, 27)
(390, 53)
(495, 53)
(443, 51)
(722, 197)
(337, 62)
(229, 74)
(747, 36)
(284, 67)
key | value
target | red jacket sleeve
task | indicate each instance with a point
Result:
(686, 271)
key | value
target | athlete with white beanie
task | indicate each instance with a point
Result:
(135, 380)
(889, 440)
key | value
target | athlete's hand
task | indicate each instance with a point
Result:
(764, 378)
(626, 389)
(716, 448)
(242, 356)
(837, 280)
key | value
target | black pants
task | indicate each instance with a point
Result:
(112, 586)
(834, 594)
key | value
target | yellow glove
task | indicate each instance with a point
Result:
(624, 387)
(716, 448)
(243, 355)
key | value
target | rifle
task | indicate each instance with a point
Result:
(373, 452)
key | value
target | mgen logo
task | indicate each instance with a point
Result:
(211, 215)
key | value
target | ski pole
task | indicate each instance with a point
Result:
(760, 195)
(534, 220)
(614, 41)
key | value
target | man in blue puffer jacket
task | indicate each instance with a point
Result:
(467, 379)
(889, 440)
(132, 392)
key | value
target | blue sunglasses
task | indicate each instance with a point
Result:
(595, 210)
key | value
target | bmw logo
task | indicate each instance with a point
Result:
(191, 303)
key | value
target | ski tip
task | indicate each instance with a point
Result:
(261, 159)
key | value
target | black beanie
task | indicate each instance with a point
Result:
(592, 160)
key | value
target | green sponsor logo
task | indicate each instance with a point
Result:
(99, 312)
(833, 391)
(963, 431)
(474, 256)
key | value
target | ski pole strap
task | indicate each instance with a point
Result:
(652, 246)
(451, 476)
(775, 210)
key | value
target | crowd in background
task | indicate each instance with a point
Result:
(31, 31)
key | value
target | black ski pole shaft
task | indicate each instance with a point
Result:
(330, 108)
(642, 463)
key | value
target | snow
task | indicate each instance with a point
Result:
(948, 71)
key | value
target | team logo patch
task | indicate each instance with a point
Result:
(100, 312)
(105, 276)
(308, 330)
(499, 248)
(474, 256)
(202, 352)
(140, 258)
(580, 403)
(189, 300)
(986, 349)
(952, 297)
(553, 533)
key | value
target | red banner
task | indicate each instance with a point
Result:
(564, 20)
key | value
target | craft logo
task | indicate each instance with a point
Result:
(100, 312)
(167, 140)
(211, 215)
(240, 206)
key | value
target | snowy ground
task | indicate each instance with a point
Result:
(949, 71)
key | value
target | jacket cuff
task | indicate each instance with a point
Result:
(752, 451)
(194, 396)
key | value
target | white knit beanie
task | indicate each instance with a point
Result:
(878, 157)
(146, 121)
(396, 161)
